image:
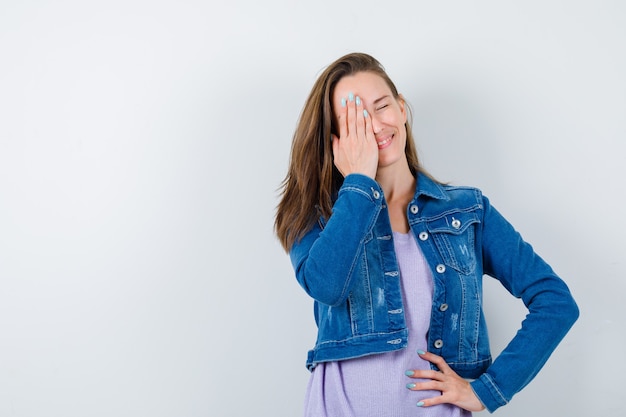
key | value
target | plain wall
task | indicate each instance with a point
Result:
(142, 144)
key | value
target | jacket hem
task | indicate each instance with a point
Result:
(356, 347)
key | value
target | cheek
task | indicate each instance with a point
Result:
(401, 116)
(392, 118)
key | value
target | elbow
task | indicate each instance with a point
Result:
(325, 293)
(323, 288)
(567, 313)
(573, 311)
(323, 285)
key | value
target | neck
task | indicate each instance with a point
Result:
(397, 183)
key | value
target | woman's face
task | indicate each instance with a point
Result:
(388, 114)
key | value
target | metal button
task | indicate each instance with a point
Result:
(376, 194)
(443, 307)
(438, 344)
(423, 236)
(456, 223)
(441, 268)
(414, 209)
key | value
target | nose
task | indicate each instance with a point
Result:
(376, 124)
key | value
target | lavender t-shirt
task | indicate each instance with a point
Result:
(375, 385)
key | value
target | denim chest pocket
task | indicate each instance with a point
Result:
(454, 235)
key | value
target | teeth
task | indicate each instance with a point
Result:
(384, 142)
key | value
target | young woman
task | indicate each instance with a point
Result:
(394, 262)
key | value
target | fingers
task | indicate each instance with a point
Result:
(369, 130)
(428, 385)
(353, 119)
(342, 116)
(454, 389)
(425, 374)
(436, 359)
(431, 374)
(351, 112)
(360, 119)
(355, 151)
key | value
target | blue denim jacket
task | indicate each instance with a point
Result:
(347, 264)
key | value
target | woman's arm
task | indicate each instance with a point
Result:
(551, 313)
(551, 309)
(324, 258)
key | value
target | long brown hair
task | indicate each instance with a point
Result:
(312, 179)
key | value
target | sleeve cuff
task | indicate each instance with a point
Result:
(488, 393)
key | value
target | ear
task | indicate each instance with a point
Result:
(402, 103)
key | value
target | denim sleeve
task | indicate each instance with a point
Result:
(551, 310)
(325, 258)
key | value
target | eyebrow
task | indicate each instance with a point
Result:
(381, 98)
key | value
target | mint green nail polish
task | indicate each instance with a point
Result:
(420, 404)
(343, 102)
(350, 96)
(410, 386)
(420, 352)
(365, 113)
(409, 373)
(358, 100)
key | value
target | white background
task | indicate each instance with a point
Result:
(142, 144)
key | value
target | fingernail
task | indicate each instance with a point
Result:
(409, 373)
(365, 113)
(420, 404)
(358, 100)
(410, 386)
(350, 96)
(421, 352)
(343, 102)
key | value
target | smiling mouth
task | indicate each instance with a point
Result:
(385, 141)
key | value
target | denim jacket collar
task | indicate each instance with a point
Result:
(430, 188)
